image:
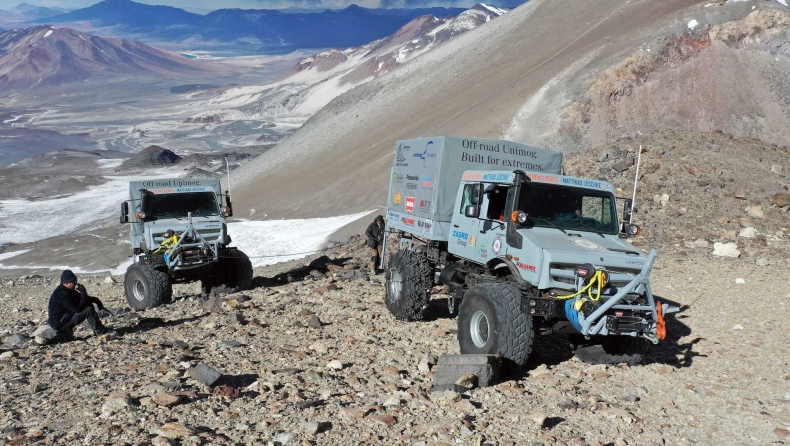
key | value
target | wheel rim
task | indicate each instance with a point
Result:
(394, 286)
(138, 290)
(479, 329)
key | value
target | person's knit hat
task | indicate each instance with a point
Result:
(67, 277)
(380, 218)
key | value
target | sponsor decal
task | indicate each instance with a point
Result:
(171, 183)
(425, 155)
(179, 190)
(425, 204)
(400, 159)
(543, 178)
(397, 178)
(409, 204)
(472, 176)
(527, 267)
(425, 225)
(393, 216)
(584, 183)
(412, 177)
(427, 183)
(407, 221)
(496, 246)
(587, 244)
(483, 251)
(411, 185)
(396, 198)
(460, 235)
(472, 241)
(498, 177)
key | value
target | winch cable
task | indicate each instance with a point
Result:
(599, 278)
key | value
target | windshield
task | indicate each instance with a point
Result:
(568, 208)
(201, 204)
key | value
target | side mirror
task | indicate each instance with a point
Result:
(475, 194)
(627, 210)
(228, 209)
(472, 211)
(125, 212)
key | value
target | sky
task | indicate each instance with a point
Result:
(204, 6)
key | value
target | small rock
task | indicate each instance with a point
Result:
(212, 305)
(14, 339)
(392, 401)
(335, 365)
(726, 250)
(6, 355)
(116, 402)
(446, 396)
(464, 406)
(620, 166)
(311, 427)
(326, 288)
(737, 327)
(781, 199)
(538, 418)
(174, 430)
(468, 380)
(762, 261)
(166, 399)
(741, 195)
(740, 281)
(236, 318)
(205, 374)
(777, 169)
(426, 362)
(755, 211)
(384, 419)
(781, 432)
(231, 344)
(283, 438)
(109, 279)
(314, 322)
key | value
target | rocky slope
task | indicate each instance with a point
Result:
(45, 56)
(307, 361)
(483, 81)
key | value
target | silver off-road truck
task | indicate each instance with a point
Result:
(520, 246)
(179, 235)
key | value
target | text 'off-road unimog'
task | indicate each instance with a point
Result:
(179, 235)
(520, 246)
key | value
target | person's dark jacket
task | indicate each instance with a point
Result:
(65, 302)
(375, 235)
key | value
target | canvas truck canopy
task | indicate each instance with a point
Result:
(427, 172)
(169, 186)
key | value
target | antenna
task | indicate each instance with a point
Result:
(636, 181)
(227, 167)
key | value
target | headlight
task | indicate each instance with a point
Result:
(634, 230)
(521, 218)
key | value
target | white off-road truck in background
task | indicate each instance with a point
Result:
(179, 235)
(520, 246)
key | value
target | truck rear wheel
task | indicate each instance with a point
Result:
(490, 322)
(235, 272)
(409, 281)
(147, 287)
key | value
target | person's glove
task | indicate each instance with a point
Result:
(81, 289)
(105, 313)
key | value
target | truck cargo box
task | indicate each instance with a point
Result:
(427, 172)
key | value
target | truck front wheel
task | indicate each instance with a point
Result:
(235, 272)
(490, 322)
(409, 281)
(147, 287)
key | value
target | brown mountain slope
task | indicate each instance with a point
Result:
(45, 56)
(339, 161)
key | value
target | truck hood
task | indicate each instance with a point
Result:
(552, 239)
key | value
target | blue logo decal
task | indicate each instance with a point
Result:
(461, 235)
(425, 155)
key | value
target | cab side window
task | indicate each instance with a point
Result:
(497, 197)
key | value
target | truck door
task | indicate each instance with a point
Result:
(463, 236)
(491, 234)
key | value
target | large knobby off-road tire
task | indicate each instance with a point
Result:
(409, 282)
(624, 349)
(490, 322)
(235, 272)
(147, 287)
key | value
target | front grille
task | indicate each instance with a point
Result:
(566, 273)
